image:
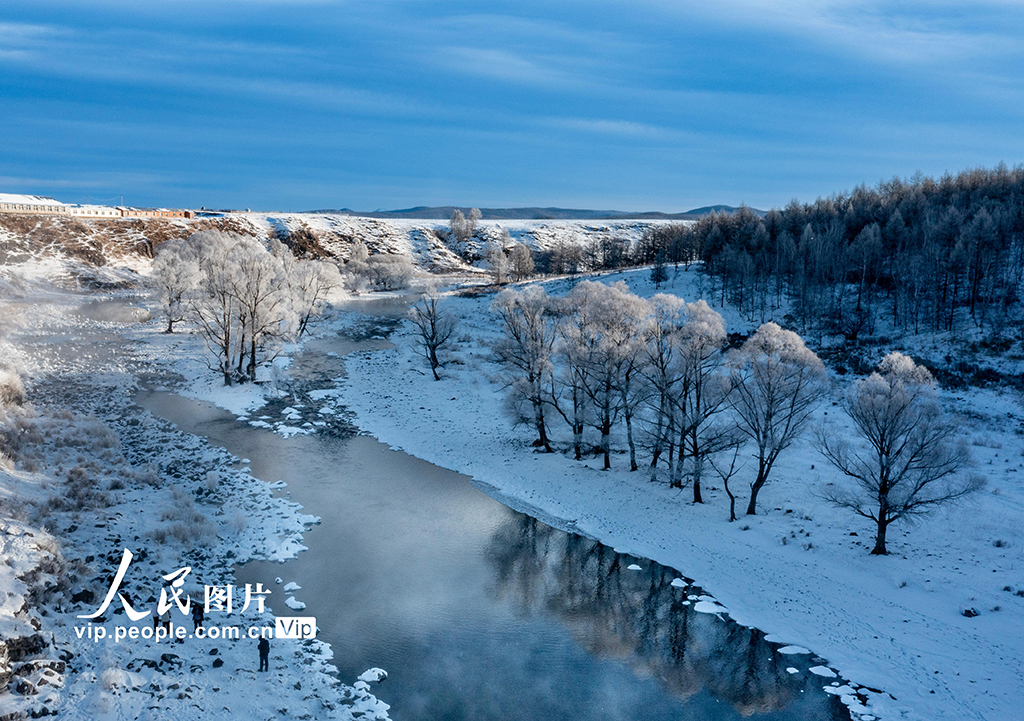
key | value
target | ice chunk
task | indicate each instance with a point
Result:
(294, 604)
(292, 586)
(793, 649)
(633, 567)
(373, 675)
(823, 671)
(709, 607)
(678, 583)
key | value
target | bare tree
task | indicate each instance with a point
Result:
(436, 327)
(909, 461)
(521, 261)
(526, 349)
(659, 274)
(777, 382)
(735, 443)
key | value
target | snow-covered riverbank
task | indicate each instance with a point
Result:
(102, 475)
(800, 571)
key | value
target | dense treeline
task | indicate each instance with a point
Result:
(917, 255)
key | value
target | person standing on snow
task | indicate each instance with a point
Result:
(264, 648)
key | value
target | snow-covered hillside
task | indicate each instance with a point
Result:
(130, 242)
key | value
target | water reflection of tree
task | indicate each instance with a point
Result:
(641, 619)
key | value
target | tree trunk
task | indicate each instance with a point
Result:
(697, 498)
(434, 363)
(732, 501)
(879, 549)
(606, 437)
(629, 440)
(762, 476)
(697, 468)
(252, 358)
(542, 432)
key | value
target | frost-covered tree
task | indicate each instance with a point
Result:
(310, 282)
(576, 348)
(497, 262)
(661, 370)
(701, 391)
(259, 283)
(777, 382)
(462, 228)
(909, 460)
(632, 386)
(526, 349)
(389, 272)
(521, 261)
(355, 271)
(214, 307)
(607, 341)
(175, 271)
(435, 326)
(457, 225)
(241, 301)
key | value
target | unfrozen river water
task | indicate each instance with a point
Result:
(480, 612)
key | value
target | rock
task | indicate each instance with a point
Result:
(84, 596)
(214, 651)
(38, 664)
(970, 612)
(6, 673)
(21, 647)
(218, 662)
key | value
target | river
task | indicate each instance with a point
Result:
(481, 612)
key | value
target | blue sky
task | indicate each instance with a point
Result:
(300, 104)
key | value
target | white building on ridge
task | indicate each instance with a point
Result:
(35, 204)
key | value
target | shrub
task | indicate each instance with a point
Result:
(12, 391)
(389, 272)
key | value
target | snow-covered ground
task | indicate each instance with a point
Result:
(799, 571)
(88, 474)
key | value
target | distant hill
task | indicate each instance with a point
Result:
(423, 212)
